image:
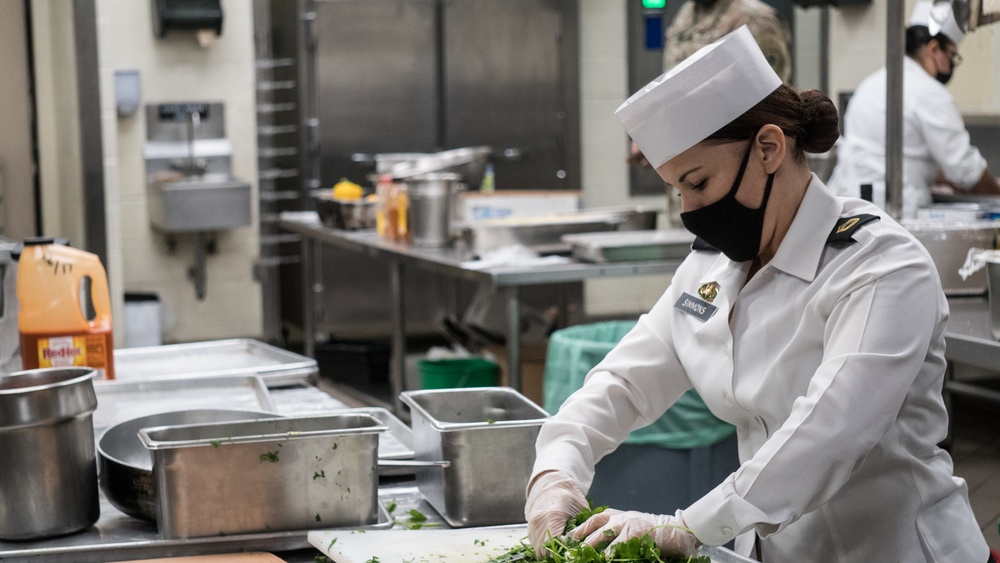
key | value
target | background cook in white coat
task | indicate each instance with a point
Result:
(826, 351)
(935, 141)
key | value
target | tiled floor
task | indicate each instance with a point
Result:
(976, 452)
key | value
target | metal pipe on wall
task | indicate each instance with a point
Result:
(895, 43)
(91, 147)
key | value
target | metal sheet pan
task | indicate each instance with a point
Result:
(124, 400)
(630, 246)
(236, 356)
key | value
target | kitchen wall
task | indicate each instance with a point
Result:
(177, 69)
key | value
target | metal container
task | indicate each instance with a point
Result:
(347, 214)
(431, 207)
(265, 475)
(948, 243)
(992, 260)
(487, 434)
(48, 478)
(126, 466)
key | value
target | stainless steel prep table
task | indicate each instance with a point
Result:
(446, 261)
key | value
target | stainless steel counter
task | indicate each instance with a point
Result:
(970, 342)
(447, 261)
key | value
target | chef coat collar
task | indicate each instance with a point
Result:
(802, 247)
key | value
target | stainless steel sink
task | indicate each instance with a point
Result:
(199, 203)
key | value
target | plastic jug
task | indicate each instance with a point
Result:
(65, 316)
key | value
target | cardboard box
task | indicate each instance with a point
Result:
(532, 369)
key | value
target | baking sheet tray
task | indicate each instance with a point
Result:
(630, 246)
(123, 400)
(236, 356)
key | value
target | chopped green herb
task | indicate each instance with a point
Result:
(373, 560)
(333, 541)
(416, 520)
(320, 558)
(490, 421)
(216, 443)
(391, 507)
(335, 445)
(416, 515)
(318, 519)
(568, 550)
(320, 475)
(271, 457)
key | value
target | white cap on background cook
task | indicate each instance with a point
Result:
(699, 96)
(939, 17)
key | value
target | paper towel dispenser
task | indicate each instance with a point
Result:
(188, 15)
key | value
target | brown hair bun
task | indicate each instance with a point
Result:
(820, 122)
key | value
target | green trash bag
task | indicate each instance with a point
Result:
(574, 351)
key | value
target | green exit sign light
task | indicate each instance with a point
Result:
(654, 4)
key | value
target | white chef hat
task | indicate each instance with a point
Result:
(939, 17)
(699, 96)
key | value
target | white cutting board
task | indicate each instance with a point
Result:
(466, 545)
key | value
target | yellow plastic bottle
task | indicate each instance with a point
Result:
(65, 316)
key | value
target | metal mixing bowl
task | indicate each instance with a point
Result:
(126, 466)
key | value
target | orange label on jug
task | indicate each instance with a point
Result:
(89, 350)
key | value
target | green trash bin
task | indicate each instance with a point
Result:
(661, 467)
(452, 373)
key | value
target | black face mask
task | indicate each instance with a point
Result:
(727, 224)
(943, 77)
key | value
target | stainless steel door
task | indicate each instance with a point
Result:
(376, 63)
(506, 85)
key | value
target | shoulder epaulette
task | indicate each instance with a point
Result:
(845, 228)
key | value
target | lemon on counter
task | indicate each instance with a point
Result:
(347, 190)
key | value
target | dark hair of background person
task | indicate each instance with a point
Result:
(809, 117)
(919, 35)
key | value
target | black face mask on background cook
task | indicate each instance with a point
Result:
(727, 224)
(943, 77)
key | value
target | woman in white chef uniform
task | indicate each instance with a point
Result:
(815, 325)
(934, 136)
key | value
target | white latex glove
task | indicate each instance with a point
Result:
(669, 533)
(553, 499)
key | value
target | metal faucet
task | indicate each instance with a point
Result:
(194, 167)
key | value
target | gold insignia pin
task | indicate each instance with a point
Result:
(709, 291)
(847, 224)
